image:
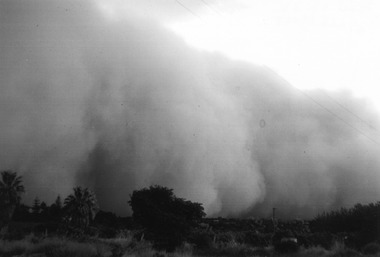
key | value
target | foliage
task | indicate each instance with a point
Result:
(286, 247)
(256, 239)
(168, 219)
(11, 189)
(22, 213)
(314, 251)
(55, 210)
(371, 248)
(39, 212)
(361, 220)
(340, 250)
(58, 202)
(284, 241)
(108, 219)
(231, 249)
(202, 239)
(80, 207)
(36, 206)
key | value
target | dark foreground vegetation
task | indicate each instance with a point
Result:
(165, 225)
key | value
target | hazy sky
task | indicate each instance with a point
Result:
(330, 44)
(120, 95)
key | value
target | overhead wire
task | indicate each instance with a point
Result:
(211, 8)
(188, 9)
(338, 117)
(349, 111)
(311, 98)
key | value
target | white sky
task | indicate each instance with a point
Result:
(331, 44)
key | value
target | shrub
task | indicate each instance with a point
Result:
(340, 250)
(13, 248)
(102, 250)
(362, 220)
(202, 239)
(72, 250)
(315, 251)
(107, 232)
(229, 249)
(256, 239)
(284, 241)
(347, 252)
(167, 219)
(371, 248)
(260, 251)
(325, 240)
(286, 247)
(166, 240)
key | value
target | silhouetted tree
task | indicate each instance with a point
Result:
(167, 219)
(11, 189)
(22, 213)
(58, 202)
(363, 221)
(36, 208)
(81, 207)
(55, 210)
(108, 219)
(44, 212)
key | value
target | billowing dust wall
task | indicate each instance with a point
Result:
(120, 105)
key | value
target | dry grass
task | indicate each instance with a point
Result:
(128, 247)
(55, 247)
(11, 248)
(338, 250)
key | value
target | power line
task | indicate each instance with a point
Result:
(211, 8)
(338, 117)
(188, 9)
(347, 110)
(315, 101)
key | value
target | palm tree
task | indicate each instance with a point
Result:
(81, 207)
(11, 189)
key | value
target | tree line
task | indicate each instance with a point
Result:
(78, 209)
(165, 218)
(361, 222)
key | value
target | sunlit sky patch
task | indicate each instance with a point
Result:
(332, 45)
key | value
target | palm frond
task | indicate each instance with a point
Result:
(81, 206)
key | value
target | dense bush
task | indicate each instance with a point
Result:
(256, 239)
(286, 247)
(284, 241)
(362, 220)
(226, 237)
(108, 219)
(11, 189)
(340, 250)
(323, 239)
(371, 248)
(201, 239)
(166, 218)
(230, 249)
(106, 232)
